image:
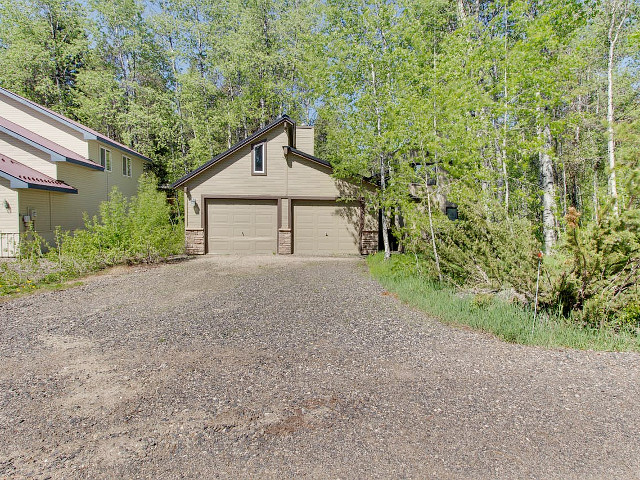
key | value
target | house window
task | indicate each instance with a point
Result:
(259, 159)
(105, 158)
(126, 166)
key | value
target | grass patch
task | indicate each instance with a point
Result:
(510, 322)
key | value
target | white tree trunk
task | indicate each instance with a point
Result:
(383, 178)
(433, 235)
(612, 37)
(548, 192)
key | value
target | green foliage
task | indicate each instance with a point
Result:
(485, 313)
(481, 250)
(140, 229)
(596, 274)
(32, 246)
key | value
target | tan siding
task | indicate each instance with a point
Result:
(26, 154)
(42, 125)
(285, 221)
(305, 139)
(232, 176)
(8, 217)
(310, 179)
(192, 217)
(127, 185)
(93, 187)
(39, 201)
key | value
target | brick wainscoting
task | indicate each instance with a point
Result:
(194, 239)
(369, 242)
(284, 241)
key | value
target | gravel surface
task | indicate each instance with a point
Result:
(285, 367)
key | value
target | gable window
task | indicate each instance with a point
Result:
(259, 159)
(105, 158)
(126, 166)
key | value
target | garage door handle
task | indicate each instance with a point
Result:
(326, 234)
(243, 234)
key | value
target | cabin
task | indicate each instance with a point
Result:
(53, 170)
(269, 194)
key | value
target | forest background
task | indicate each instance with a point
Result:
(524, 114)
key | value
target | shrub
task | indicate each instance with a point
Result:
(594, 277)
(480, 251)
(141, 229)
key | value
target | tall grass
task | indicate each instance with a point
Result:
(510, 322)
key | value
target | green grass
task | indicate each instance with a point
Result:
(509, 322)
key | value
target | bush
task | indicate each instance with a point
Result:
(594, 277)
(141, 229)
(488, 253)
(591, 279)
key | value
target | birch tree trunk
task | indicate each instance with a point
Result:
(612, 36)
(383, 174)
(548, 192)
(504, 120)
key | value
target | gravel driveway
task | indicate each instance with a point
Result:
(287, 367)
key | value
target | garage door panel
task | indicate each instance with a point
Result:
(242, 226)
(325, 228)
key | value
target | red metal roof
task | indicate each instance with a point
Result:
(48, 144)
(32, 177)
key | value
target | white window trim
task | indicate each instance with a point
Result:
(264, 158)
(107, 165)
(126, 166)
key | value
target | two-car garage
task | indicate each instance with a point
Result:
(250, 226)
(268, 194)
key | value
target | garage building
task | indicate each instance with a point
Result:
(269, 194)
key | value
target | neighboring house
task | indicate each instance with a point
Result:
(270, 194)
(53, 169)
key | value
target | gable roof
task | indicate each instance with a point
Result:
(22, 176)
(88, 133)
(278, 121)
(58, 152)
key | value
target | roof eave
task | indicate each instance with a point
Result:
(87, 134)
(321, 162)
(55, 156)
(53, 116)
(51, 188)
(108, 141)
(17, 183)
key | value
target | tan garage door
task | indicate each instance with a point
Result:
(242, 226)
(325, 228)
